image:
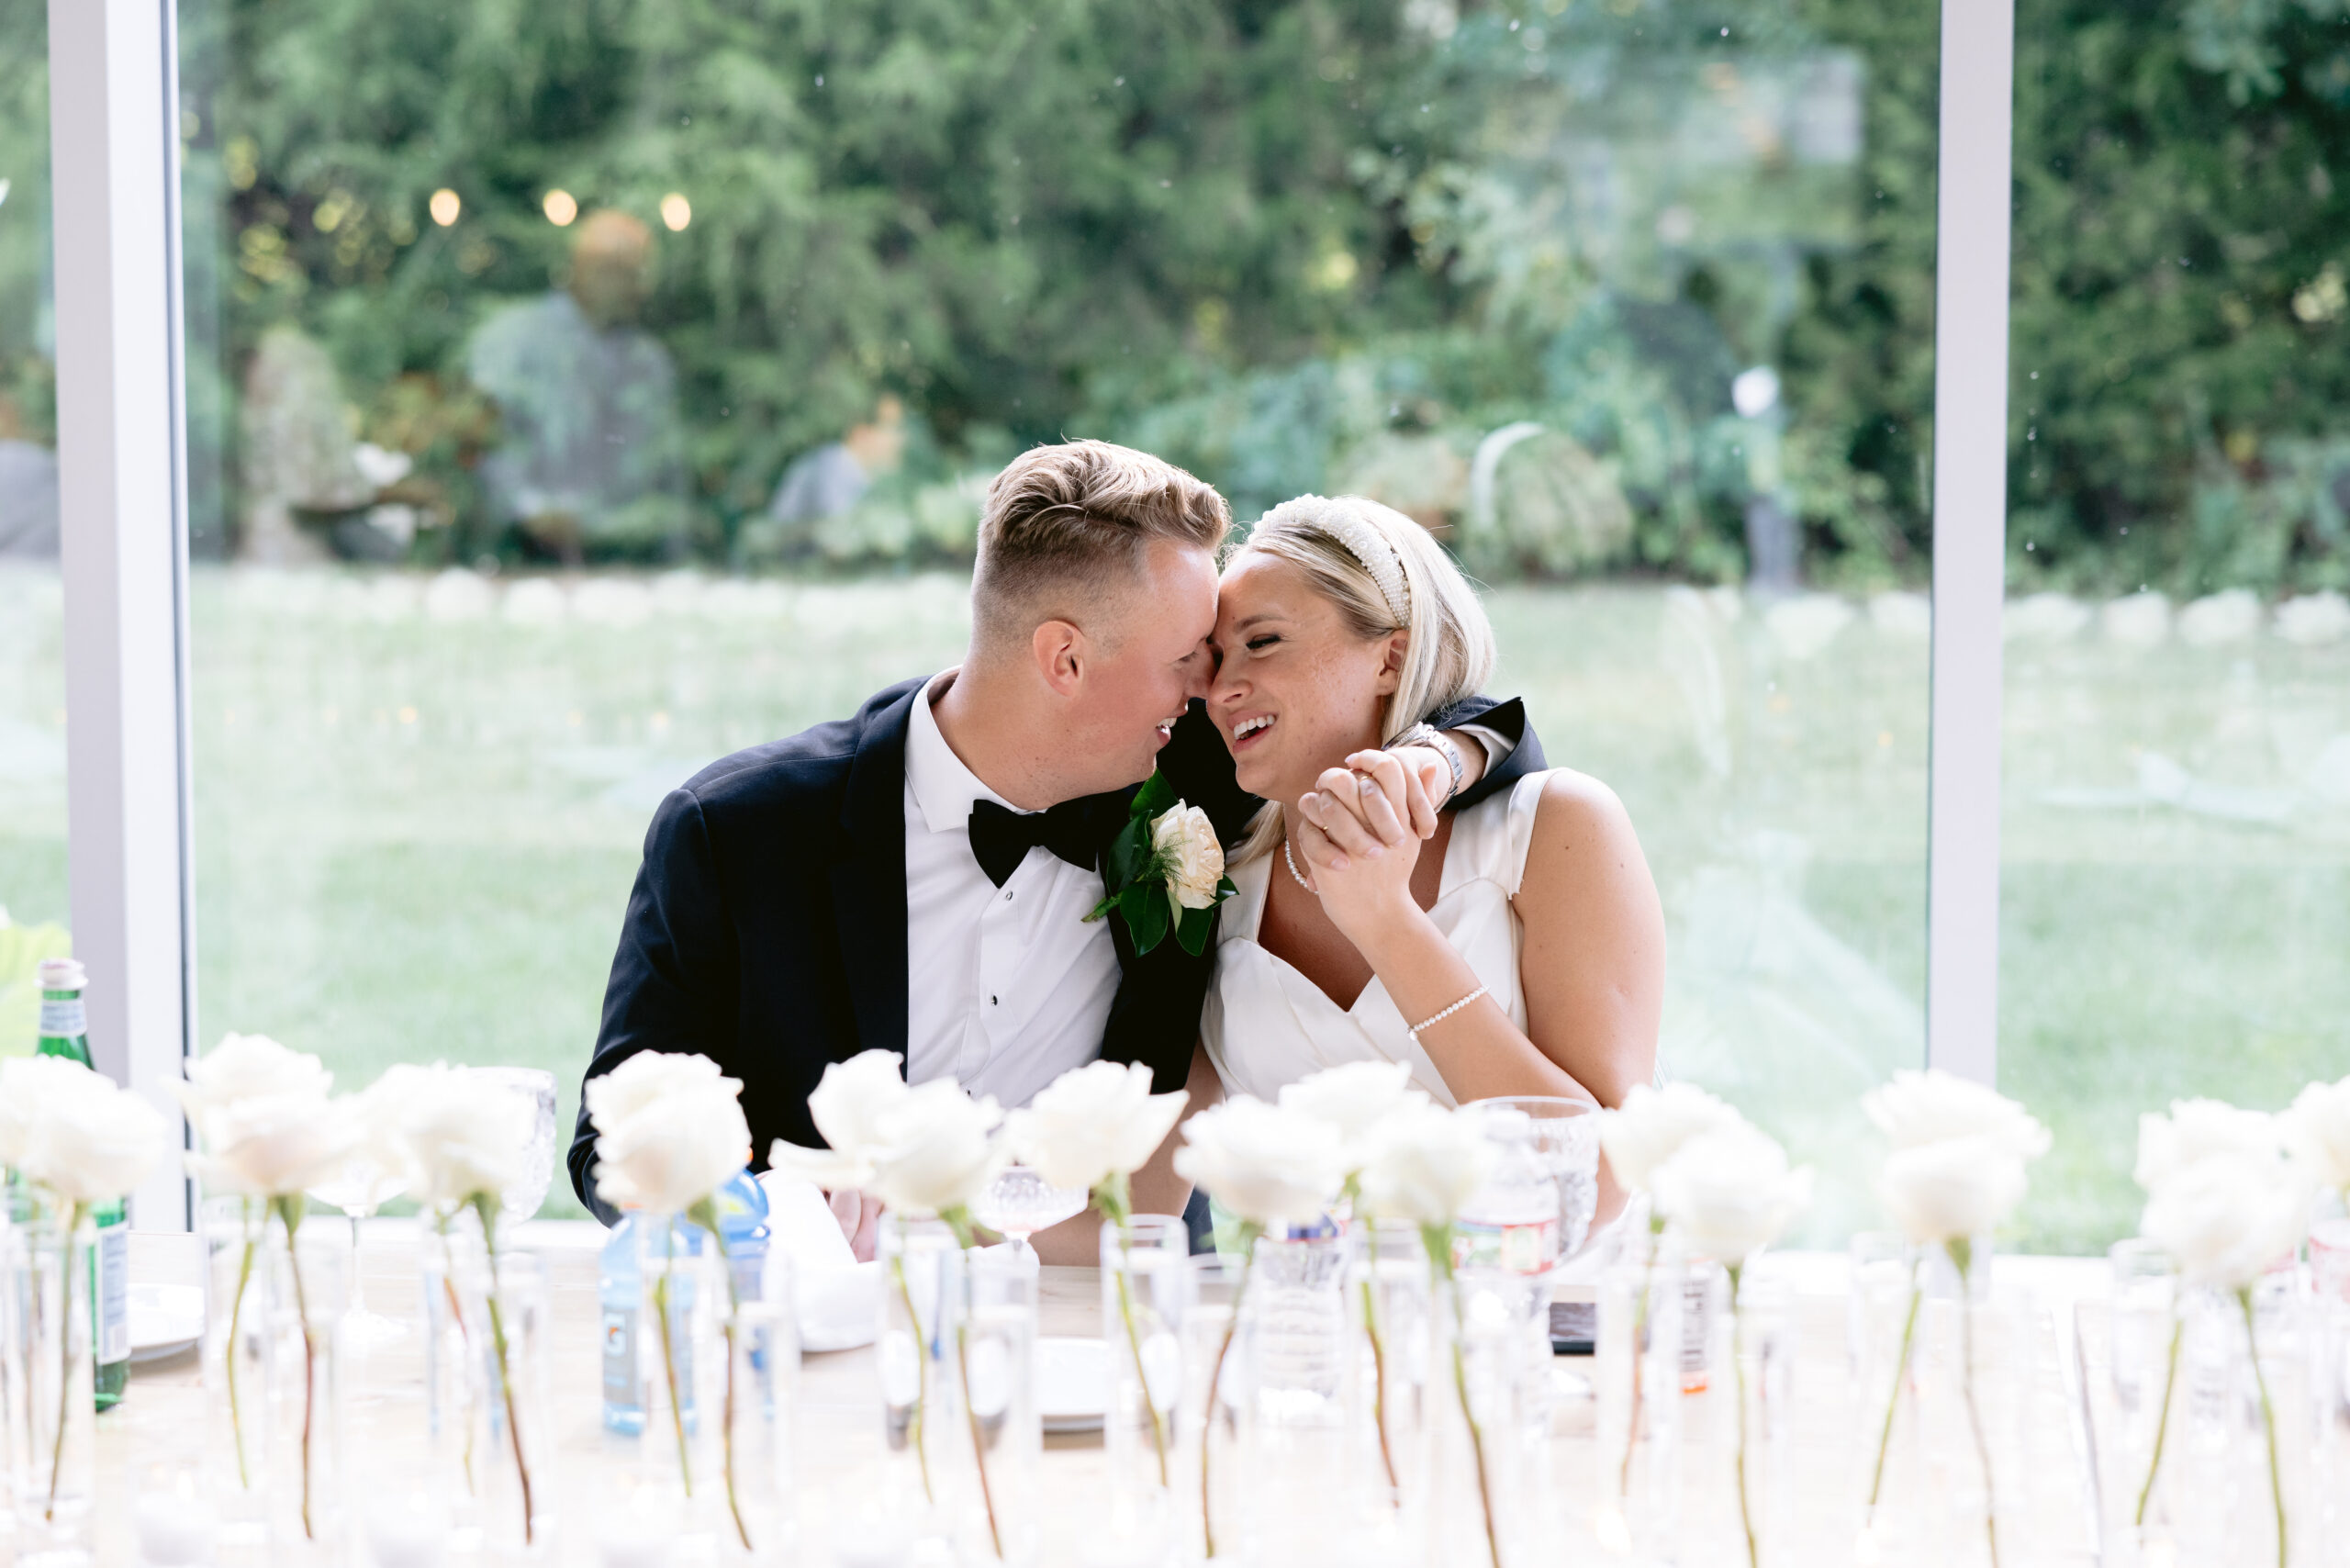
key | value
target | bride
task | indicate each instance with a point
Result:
(1514, 947)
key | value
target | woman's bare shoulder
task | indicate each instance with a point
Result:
(1577, 809)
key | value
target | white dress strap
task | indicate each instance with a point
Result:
(1525, 805)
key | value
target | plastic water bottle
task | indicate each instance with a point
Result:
(742, 1222)
(1512, 1224)
(620, 1297)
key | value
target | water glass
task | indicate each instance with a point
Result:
(1019, 1202)
(522, 1200)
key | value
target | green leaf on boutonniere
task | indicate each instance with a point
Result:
(1193, 928)
(1140, 874)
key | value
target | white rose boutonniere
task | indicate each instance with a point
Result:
(1166, 869)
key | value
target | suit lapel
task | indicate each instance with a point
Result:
(870, 877)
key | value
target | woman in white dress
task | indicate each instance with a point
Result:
(1516, 947)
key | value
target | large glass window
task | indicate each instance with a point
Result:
(2176, 882)
(32, 667)
(579, 393)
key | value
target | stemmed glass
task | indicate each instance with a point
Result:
(364, 1184)
(1019, 1203)
(520, 1201)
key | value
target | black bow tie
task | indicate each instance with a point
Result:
(1001, 839)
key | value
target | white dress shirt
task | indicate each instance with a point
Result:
(1006, 988)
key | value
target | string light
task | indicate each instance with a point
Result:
(444, 206)
(675, 211)
(560, 208)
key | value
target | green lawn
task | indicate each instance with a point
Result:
(418, 806)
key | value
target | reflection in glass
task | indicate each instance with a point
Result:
(2176, 891)
(574, 399)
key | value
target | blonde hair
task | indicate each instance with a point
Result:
(1385, 575)
(1060, 519)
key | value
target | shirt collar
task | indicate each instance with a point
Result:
(943, 787)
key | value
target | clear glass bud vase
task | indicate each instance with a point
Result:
(761, 1338)
(1145, 1297)
(1302, 1405)
(1387, 1303)
(995, 1367)
(310, 1279)
(56, 1464)
(240, 1281)
(1483, 1500)
(454, 1462)
(1636, 1364)
(924, 1437)
(676, 1485)
(511, 1402)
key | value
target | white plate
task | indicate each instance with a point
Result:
(1073, 1383)
(164, 1320)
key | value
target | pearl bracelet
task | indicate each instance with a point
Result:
(1427, 1023)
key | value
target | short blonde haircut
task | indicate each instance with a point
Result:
(1449, 651)
(1062, 522)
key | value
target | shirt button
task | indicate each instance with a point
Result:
(992, 1003)
(1007, 897)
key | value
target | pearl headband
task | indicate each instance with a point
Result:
(1359, 538)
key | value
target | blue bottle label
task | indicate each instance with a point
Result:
(620, 1357)
(63, 1017)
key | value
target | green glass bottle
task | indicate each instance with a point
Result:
(65, 1032)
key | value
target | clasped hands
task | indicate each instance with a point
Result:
(1363, 828)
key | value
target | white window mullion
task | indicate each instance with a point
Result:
(112, 139)
(1970, 533)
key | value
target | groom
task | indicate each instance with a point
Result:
(916, 878)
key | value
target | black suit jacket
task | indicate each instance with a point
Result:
(768, 927)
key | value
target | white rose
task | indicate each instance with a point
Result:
(669, 1131)
(1354, 1099)
(264, 1118)
(2225, 1218)
(2201, 1129)
(1187, 845)
(850, 1100)
(1729, 1194)
(1953, 1188)
(1423, 1163)
(1919, 1108)
(2318, 1126)
(27, 1086)
(847, 1106)
(1268, 1165)
(456, 1137)
(939, 1150)
(1092, 1123)
(1652, 1125)
(94, 1141)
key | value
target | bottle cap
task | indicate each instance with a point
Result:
(63, 974)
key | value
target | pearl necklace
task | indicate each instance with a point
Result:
(1292, 867)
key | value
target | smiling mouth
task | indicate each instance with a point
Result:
(1245, 733)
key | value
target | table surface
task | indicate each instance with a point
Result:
(159, 1420)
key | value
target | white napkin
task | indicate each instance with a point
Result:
(837, 1298)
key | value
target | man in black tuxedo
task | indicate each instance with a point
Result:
(916, 878)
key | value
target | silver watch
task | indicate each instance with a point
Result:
(1433, 739)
